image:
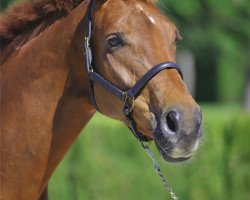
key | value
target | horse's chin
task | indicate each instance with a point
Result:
(165, 147)
(165, 151)
(166, 155)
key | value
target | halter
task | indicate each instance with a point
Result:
(129, 96)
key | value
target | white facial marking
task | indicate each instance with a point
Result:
(151, 19)
(139, 6)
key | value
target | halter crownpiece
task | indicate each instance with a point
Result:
(129, 96)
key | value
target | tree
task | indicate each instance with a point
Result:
(218, 33)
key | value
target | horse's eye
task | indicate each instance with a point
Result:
(114, 41)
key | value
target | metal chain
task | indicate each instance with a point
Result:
(158, 170)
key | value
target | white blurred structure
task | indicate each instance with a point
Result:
(186, 60)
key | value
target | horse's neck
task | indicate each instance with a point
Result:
(73, 110)
(49, 99)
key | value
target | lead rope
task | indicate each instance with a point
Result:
(158, 170)
(127, 111)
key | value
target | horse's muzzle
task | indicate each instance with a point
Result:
(176, 137)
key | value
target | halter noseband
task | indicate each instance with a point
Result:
(128, 97)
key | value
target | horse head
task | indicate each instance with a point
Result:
(126, 44)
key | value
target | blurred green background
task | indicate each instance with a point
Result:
(106, 162)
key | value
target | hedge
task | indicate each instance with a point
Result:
(106, 162)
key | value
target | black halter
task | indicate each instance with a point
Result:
(128, 97)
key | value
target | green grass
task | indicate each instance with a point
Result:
(106, 162)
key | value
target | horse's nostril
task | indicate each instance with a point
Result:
(170, 125)
(172, 121)
(179, 126)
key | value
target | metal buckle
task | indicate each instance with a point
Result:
(129, 103)
(86, 42)
(86, 45)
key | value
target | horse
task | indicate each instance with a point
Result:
(45, 84)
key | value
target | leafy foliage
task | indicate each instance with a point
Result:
(218, 33)
(5, 3)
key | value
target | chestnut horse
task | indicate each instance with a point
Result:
(45, 100)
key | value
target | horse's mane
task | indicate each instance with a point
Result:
(24, 17)
(18, 21)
